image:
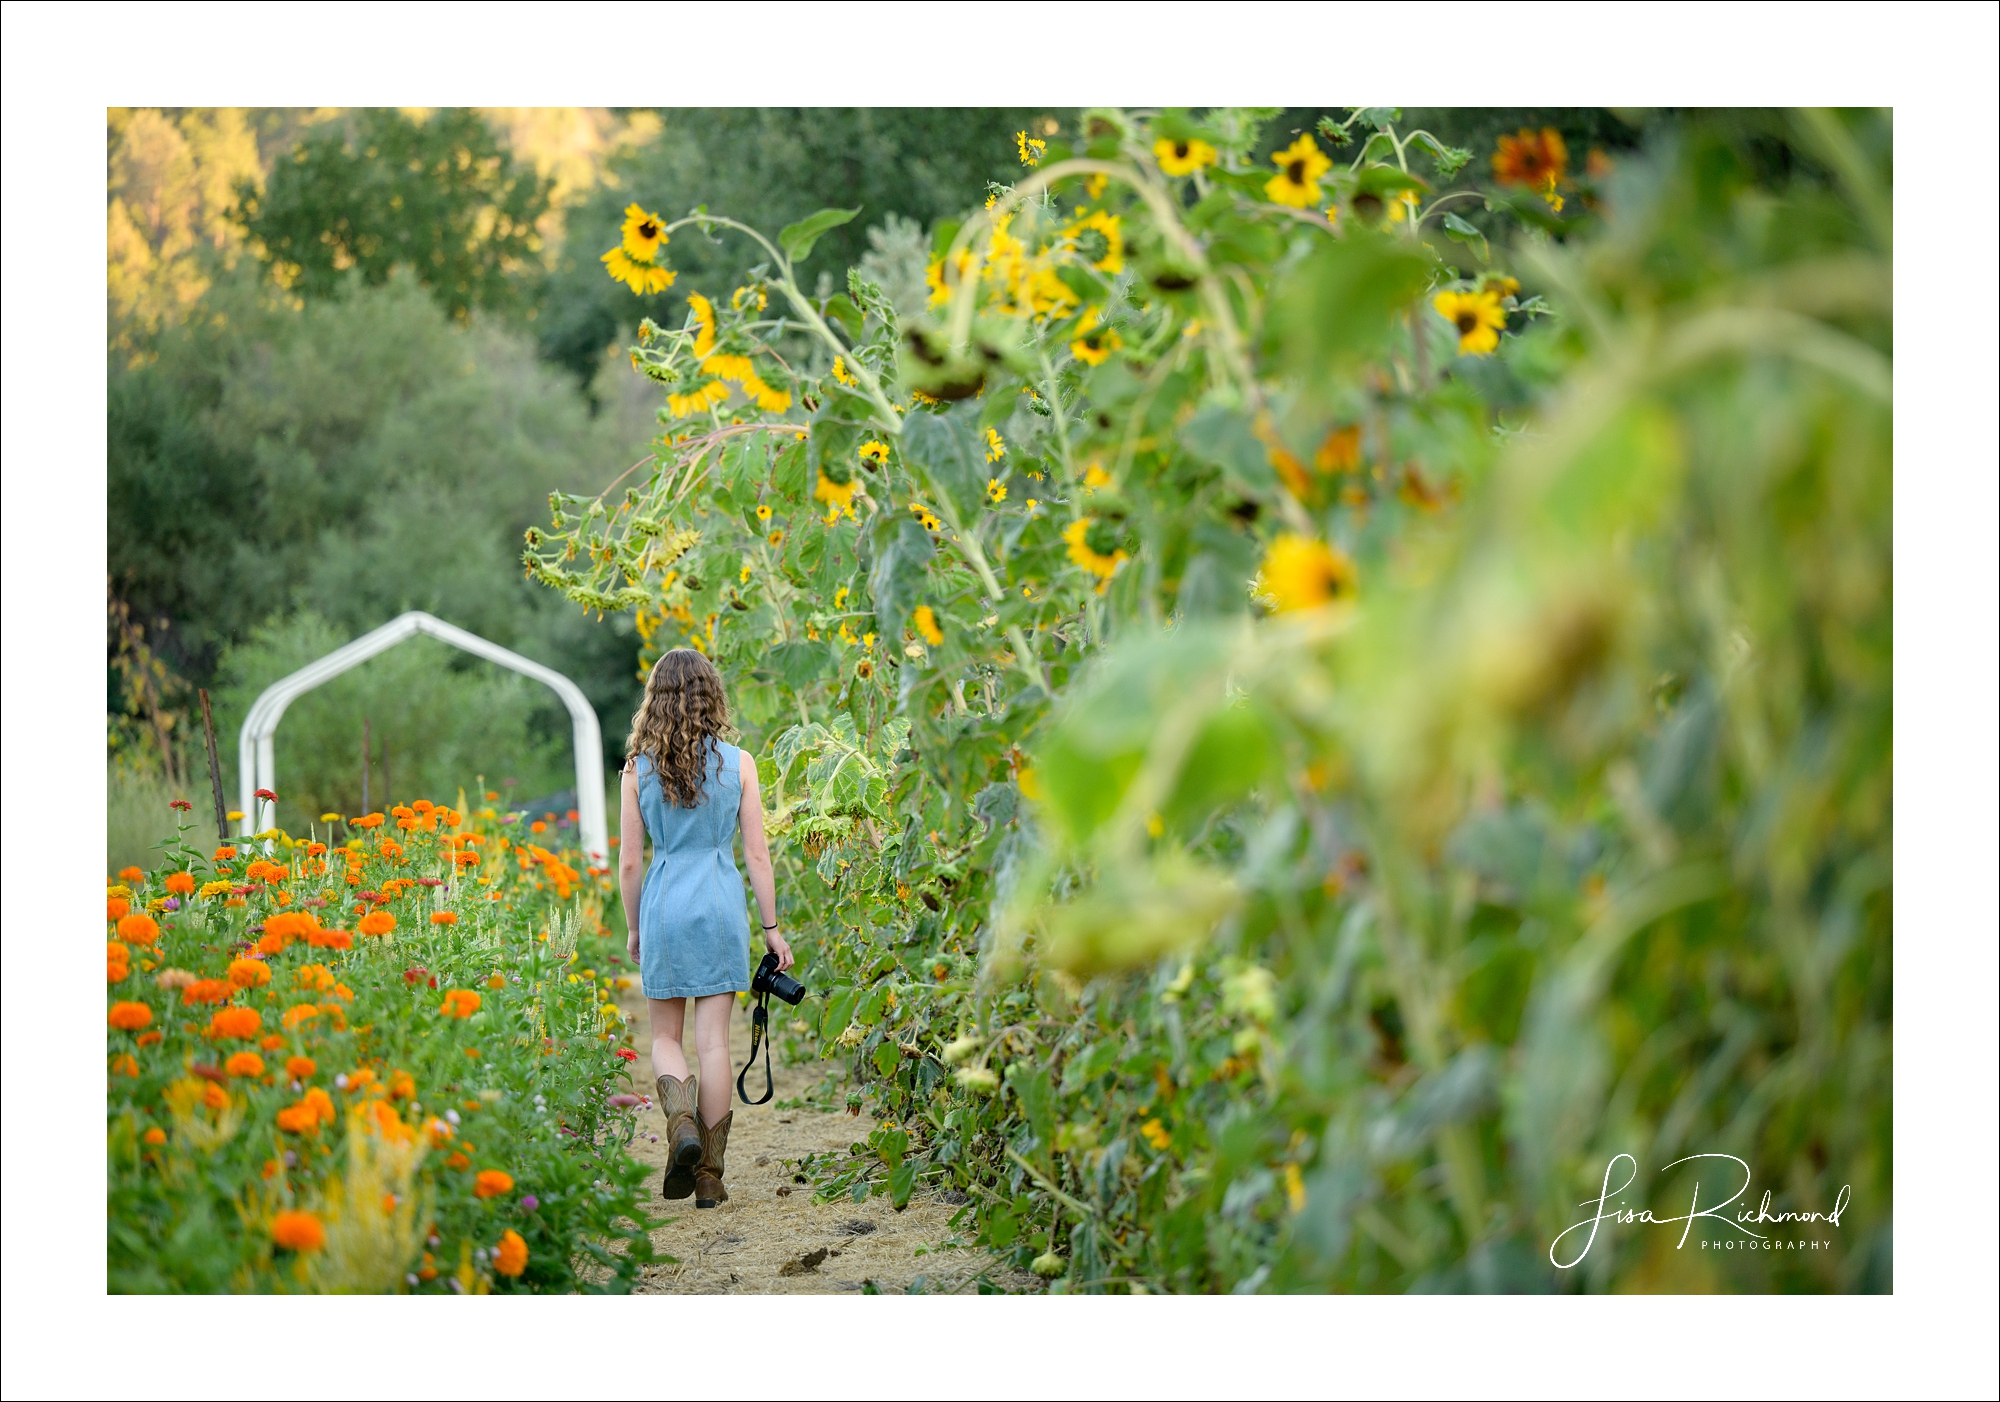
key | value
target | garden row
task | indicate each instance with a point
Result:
(380, 1063)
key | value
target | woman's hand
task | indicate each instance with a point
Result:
(632, 945)
(775, 942)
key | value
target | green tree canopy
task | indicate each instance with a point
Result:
(441, 196)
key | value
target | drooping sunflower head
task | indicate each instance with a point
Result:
(1183, 157)
(836, 486)
(1300, 166)
(642, 234)
(641, 277)
(704, 320)
(1478, 318)
(1094, 543)
(1301, 573)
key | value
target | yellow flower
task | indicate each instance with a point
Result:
(1031, 150)
(1094, 343)
(642, 234)
(841, 373)
(995, 448)
(873, 454)
(763, 512)
(1402, 205)
(996, 490)
(704, 317)
(1094, 476)
(1295, 1188)
(1182, 157)
(1108, 229)
(712, 393)
(1094, 545)
(1478, 316)
(640, 277)
(775, 538)
(1300, 166)
(729, 367)
(736, 297)
(840, 598)
(1156, 1134)
(1302, 573)
(927, 624)
(836, 495)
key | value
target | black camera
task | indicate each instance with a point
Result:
(769, 980)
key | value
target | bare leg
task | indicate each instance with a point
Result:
(711, 1046)
(669, 1017)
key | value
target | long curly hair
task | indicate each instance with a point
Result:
(678, 723)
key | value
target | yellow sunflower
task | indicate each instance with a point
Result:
(704, 318)
(841, 373)
(1094, 545)
(640, 277)
(1087, 233)
(996, 448)
(996, 490)
(1183, 157)
(836, 495)
(927, 624)
(1478, 316)
(1300, 166)
(1302, 573)
(874, 454)
(710, 394)
(1094, 343)
(643, 234)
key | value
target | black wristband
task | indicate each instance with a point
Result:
(767, 928)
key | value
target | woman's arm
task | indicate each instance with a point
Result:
(757, 856)
(631, 855)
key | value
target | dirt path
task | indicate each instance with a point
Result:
(754, 1243)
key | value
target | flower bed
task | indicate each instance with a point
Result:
(387, 1065)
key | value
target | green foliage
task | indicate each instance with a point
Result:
(441, 197)
(272, 459)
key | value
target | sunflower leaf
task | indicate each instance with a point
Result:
(1462, 231)
(798, 239)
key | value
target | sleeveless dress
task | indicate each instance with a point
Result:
(694, 927)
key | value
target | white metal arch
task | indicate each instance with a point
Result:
(256, 757)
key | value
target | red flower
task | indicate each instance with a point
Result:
(627, 1054)
(182, 804)
(267, 795)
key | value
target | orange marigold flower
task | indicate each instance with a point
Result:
(155, 1135)
(358, 1078)
(444, 917)
(376, 922)
(239, 1023)
(129, 1017)
(249, 973)
(510, 1257)
(149, 1039)
(273, 1041)
(115, 972)
(125, 1064)
(496, 980)
(271, 1167)
(116, 952)
(270, 944)
(298, 1231)
(466, 859)
(180, 883)
(314, 849)
(138, 929)
(300, 1068)
(492, 1182)
(458, 1161)
(297, 1119)
(208, 990)
(460, 1002)
(244, 1064)
(315, 976)
(214, 1096)
(131, 874)
(225, 853)
(289, 925)
(116, 908)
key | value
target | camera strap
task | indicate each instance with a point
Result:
(760, 1022)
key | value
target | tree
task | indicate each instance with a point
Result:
(442, 197)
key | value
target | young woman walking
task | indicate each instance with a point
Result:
(691, 792)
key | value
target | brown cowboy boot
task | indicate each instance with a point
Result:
(684, 1138)
(708, 1189)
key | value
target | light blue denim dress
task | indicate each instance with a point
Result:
(694, 925)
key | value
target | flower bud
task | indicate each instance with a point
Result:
(960, 1050)
(1048, 1265)
(978, 1079)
